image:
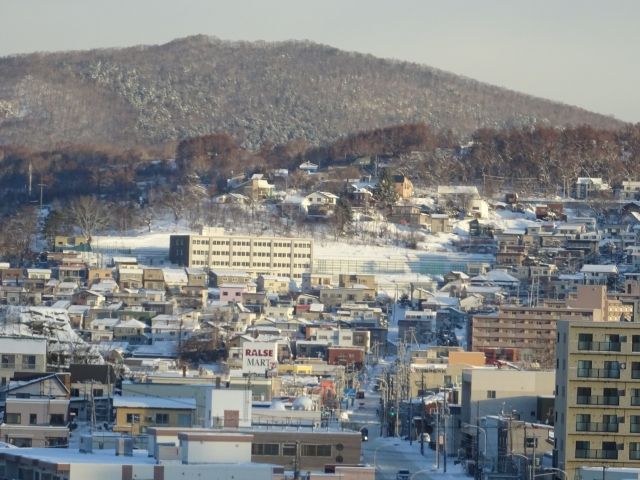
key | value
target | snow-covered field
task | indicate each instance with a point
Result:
(376, 243)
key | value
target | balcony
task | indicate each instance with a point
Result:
(598, 400)
(599, 346)
(597, 454)
(596, 427)
(598, 373)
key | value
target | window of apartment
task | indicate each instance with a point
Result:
(634, 451)
(584, 395)
(634, 421)
(20, 442)
(29, 362)
(582, 448)
(289, 449)
(582, 422)
(611, 396)
(133, 418)
(585, 341)
(611, 369)
(56, 442)
(266, 449)
(33, 419)
(13, 418)
(56, 419)
(316, 450)
(584, 368)
(491, 394)
(635, 343)
(609, 450)
(8, 361)
(162, 419)
(98, 392)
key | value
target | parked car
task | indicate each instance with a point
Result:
(403, 475)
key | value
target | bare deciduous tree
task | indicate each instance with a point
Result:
(89, 215)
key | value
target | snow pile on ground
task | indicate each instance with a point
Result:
(52, 324)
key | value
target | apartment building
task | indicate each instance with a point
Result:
(597, 404)
(531, 331)
(213, 249)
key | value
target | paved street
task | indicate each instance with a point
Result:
(391, 454)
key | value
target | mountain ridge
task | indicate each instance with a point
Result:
(261, 92)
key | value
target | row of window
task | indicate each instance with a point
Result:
(16, 419)
(608, 450)
(9, 361)
(256, 243)
(289, 450)
(162, 419)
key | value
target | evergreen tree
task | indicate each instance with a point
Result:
(385, 193)
(343, 216)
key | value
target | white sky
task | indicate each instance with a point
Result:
(580, 52)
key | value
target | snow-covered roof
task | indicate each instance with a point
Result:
(133, 323)
(175, 276)
(609, 269)
(62, 304)
(457, 190)
(154, 402)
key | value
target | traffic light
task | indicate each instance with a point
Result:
(392, 412)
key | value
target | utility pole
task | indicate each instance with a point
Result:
(444, 443)
(41, 185)
(422, 413)
(477, 452)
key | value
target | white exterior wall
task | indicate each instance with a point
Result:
(218, 472)
(219, 400)
(215, 452)
(29, 346)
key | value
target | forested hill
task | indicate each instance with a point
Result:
(259, 92)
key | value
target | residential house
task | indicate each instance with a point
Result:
(587, 186)
(333, 297)
(273, 284)
(403, 186)
(135, 414)
(96, 275)
(130, 276)
(256, 188)
(36, 412)
(153, 279)
(408, 215)
(630, 190)
(308, 168)
(439, 223)
(21, 354)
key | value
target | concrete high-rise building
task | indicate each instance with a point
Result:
(530, 332)
(213, 249)
(597, 406)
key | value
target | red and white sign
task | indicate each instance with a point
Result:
(259, 357)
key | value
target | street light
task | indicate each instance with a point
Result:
(484, 448)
